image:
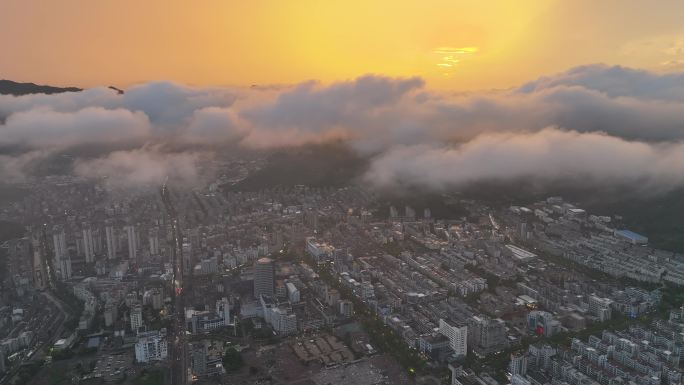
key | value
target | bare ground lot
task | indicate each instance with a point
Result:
(278, 364)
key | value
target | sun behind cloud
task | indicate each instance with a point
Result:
(449, 57)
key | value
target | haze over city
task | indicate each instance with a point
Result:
(313, 192)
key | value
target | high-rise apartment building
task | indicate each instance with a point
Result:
(65, 268)
(59, 241)
(518, 364)
(486, 335)
(88, 245)
(132, 236)
(264, 277)
(136, 317)
(457, 335)
(112, 241)
(153, 240)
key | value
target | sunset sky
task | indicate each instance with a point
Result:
(452, 44)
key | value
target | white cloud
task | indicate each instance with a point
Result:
(46, 128)
(142, 167)
(618, 118)
(550, 154)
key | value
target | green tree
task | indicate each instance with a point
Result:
(232, 360)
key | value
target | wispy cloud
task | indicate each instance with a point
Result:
(673, 65)
(450, 56)
(455, 51)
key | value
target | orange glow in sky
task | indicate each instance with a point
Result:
(459, 45)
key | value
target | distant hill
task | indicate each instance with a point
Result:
(8, 87)
(322, 165)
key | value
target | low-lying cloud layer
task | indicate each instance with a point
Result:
(607, 124)
(139, 167)
(47, 128)
(549, 154)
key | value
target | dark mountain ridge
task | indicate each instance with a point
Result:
(8, 87)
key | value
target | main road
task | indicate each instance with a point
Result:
(178, 354)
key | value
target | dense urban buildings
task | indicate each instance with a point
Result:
(326, 284)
